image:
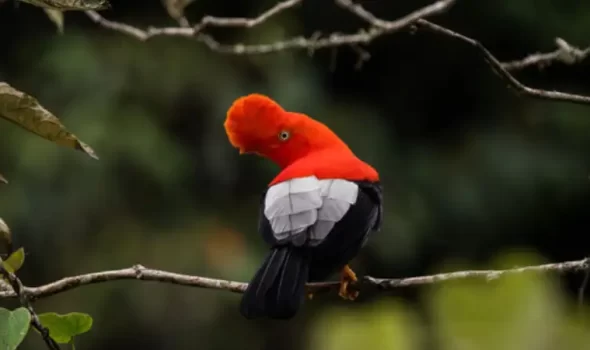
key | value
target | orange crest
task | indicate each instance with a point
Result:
(252, 120)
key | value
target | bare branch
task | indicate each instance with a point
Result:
(18, 290)
(501, 72)
(314, 42)
(311, 43)
(378, 27)
(137, 272)
(190, 32)
(140, 273)
(565, 51)
(488, 275)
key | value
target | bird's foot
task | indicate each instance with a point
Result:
(346, 278)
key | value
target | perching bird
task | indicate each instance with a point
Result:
(315, 215)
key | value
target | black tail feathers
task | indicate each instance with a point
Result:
(277, 290)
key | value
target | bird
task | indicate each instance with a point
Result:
(314, 216)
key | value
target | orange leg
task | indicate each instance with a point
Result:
(347, 276)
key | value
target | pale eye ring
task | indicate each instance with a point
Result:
(284, 135)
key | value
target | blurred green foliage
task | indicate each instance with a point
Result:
(520, 312)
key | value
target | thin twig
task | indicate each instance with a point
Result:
(141, 273)
(245, 22)
(565, 53)
(18, 290)
(117, 26)
(401, 23)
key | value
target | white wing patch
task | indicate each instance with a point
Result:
(306, 209)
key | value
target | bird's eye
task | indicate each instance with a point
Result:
(284, 135)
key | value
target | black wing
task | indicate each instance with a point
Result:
(350, 234)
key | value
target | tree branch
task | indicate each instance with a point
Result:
(498, 68)
(18, 290)
(313, 42)
(488, 275)
(378, 27)
(565, 50)
(141, 273)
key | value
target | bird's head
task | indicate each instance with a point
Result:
(257, 124)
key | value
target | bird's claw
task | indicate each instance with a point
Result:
(347, 277)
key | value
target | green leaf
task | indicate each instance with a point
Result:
(62, 328)
(65, 5)
(14, 261)
(14, 326)
(57, 17)
(26, 112)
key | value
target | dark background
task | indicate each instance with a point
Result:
(470, 170)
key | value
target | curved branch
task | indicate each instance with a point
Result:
(498, 68)
(141, 273)
(398, 24)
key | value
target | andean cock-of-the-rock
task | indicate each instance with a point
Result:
(315, 215)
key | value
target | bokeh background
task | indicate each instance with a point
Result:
(474, 175)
